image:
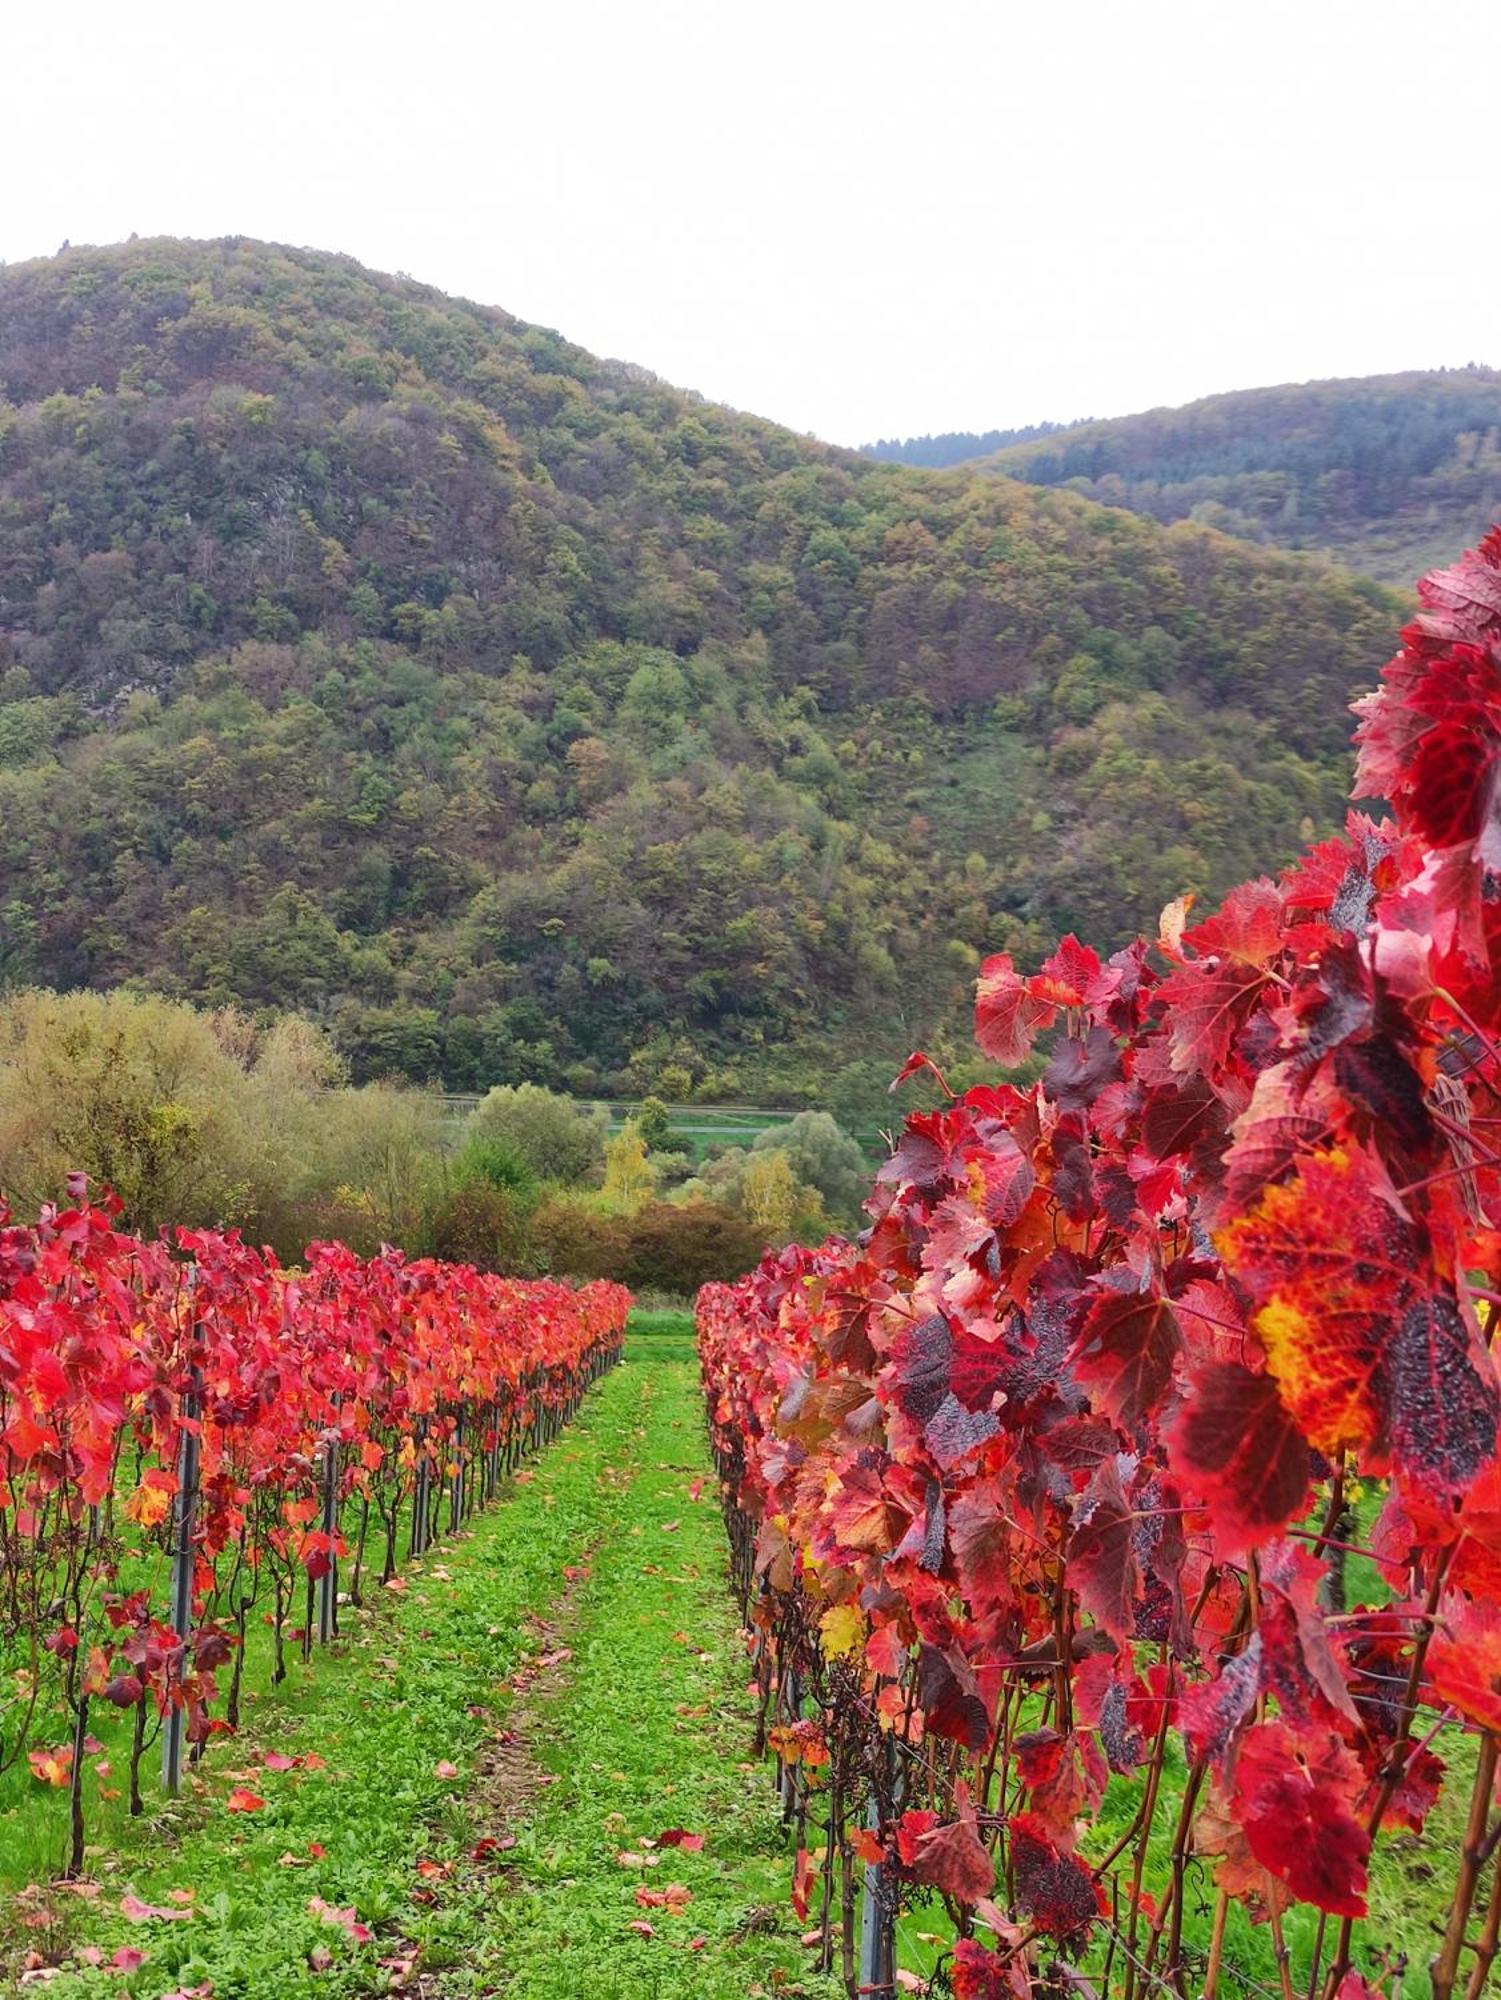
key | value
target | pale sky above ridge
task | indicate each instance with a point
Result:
(856, 217)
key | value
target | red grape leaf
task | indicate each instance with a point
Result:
(1180, 1121)
(1056, 1890)
(1464, 1661)
(1294, 1797)
(1079, 1070)
(1236, 1448)
(1124, 1354)
(950, 1855)
(1102, 1564)
(1008, 1014)
(944, 1381)
(1329, 1257)
(949, 1697)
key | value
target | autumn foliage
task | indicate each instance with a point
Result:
(1056, 1473)
(326, 1406)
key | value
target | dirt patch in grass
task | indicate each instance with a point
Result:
(508, 1775)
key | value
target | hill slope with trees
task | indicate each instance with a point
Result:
(1388, 474)
(377, 655)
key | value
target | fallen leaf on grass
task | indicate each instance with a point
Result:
(641, 1927)
(346, 1919)
(242, 1801)
(691, 1843)
(126, 1959)
(444, 1769)
(135, 1911)
(676, 1896)
(277, 1760)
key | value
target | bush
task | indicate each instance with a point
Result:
(482, 1225)
(496, 1164)
(556, 1137)
(666, 1246)
(823, 1156)
(676, 1247)
(572, 1237)
(142, 1095)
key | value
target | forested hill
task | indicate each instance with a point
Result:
(948, 448)
(372, 653)
(1389, 474)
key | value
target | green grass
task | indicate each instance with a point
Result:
(665, 1335)
(421, 1678)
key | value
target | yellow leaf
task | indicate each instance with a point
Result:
(841, 1631)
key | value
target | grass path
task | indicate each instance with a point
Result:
(561, 1765)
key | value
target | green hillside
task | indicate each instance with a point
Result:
(1388, 474)
(375, 654)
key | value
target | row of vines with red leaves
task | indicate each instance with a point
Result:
(331, 1412)
(1072, 1474)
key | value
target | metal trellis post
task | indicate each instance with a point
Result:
(184, 1507)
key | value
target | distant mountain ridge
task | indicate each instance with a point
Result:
(1387, 474)
(373, 653)
(955, 447)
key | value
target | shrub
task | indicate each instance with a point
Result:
(140, 1094)
(555, 1136)
(477, 1223)
(495, 1163)
(572, 1237)
(676, 1247)
(823, 1156)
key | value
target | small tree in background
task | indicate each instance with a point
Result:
(556, 1137)
(822, 1156)
(629, 1174)
(386, 1144)
(654, 1122)
(143, 1095)
(769, 1193)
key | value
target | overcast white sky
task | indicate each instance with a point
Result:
(861, 217)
